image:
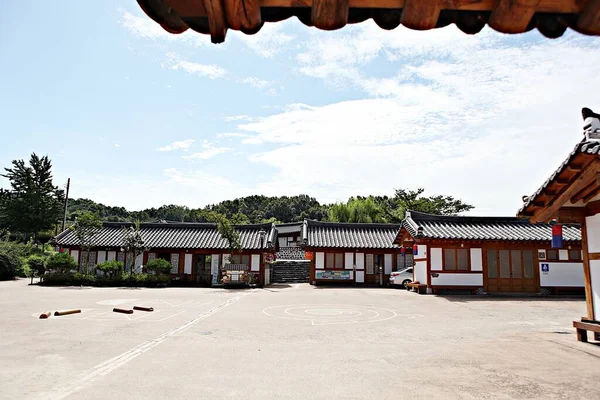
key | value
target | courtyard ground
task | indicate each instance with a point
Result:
(290, 342)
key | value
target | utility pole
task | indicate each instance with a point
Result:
(64, 223)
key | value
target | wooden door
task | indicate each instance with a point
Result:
(373, 262)
(510, 270)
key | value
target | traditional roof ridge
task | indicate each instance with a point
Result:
(444, 227)
(290, 223)
(313, 222)
(418, 215)
(173, 224)
(587, 147)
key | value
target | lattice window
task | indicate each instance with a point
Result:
(174, 263)
(370, 264)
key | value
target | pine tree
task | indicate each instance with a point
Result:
(33, 204)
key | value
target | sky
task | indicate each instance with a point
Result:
(138, 117)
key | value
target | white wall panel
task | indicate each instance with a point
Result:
(349, 260)
(436, 259)
(319, 260)
(255, 262)
(75, 255)
(187, 264)
(476, 260)
(360, 262)
(111, 255)
(387, 264)
(563, 255)
(420, 272)
(360, 276)
(443, 279)
(101, 256)
(561, 274)
(595, 281)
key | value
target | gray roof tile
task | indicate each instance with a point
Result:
(178, 235)
(483, 228)
(349, 235)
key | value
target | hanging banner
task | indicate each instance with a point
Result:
(557, 237)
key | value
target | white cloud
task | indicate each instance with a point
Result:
(210, 71)
(194, 178)
(178, 145)
(484, 123)
(208, 151)
(232, 135)
(237, 118)
(256, 82)
(117, 145)
(269, 41)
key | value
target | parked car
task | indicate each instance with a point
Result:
(402, 277)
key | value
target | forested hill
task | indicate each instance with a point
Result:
(257, 209)
(245, 210)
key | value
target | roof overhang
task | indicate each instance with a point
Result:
(570, 195)
(215, 17)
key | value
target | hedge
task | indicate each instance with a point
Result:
(78, 279)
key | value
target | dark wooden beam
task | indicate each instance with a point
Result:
(561, 181)
(571, 215)
(575, 167)
(592, 208)
(539, 203)
(591, 194)
(584, 179)
(583, 192)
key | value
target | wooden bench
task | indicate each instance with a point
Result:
(583, 328)
(420, 288)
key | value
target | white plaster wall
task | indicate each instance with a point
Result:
(387, 264)
(475, 279)
(360, 262)
(562, 274)
(137, 264)
(349, 260)
(187, 264)
(476, 260)
(360, 276)
(420, 271)
(320, 260)
(111, 255)
(563, 255)
(75, 255)
(593, 233)
(422, 249)
(436, 259)
(255, 262)
(101, 256)
(595, 281)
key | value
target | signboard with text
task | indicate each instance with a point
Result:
(333, 275)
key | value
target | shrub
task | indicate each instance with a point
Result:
(111, 268)
(10, 264)
(36, 265)
(159, 266)
(61, 262)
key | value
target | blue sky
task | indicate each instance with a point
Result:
(140, 118)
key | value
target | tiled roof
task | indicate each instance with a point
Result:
(482, 228)
(289, 227)
(347, 235)
(175, 235)
(592, 148)
(214, 17)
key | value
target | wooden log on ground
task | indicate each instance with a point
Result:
(122, 310)
(46, 315)
(140, 308)
(66, 312)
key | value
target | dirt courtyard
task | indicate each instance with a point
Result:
(290, 342)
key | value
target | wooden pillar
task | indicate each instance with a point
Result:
(587, 278)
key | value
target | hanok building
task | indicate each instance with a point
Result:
(572, 194)
(350, 252)
(196, 251)
(289, 237)
(490, 254)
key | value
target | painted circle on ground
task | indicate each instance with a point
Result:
(329, 314)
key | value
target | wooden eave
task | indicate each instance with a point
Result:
(215, 17)
(573, 188)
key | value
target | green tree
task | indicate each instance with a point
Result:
(85, 227)
(37, 265)
(358, 210)
(33, 204)
(158, 266)
(133, 245)
(61, 262)
(414, 200)
(228, 232)
(111, 268)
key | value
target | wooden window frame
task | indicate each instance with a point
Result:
(456, 270)
(580, 259)
(553, 259)
(335, 256)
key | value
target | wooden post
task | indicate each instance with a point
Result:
(587, 278)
